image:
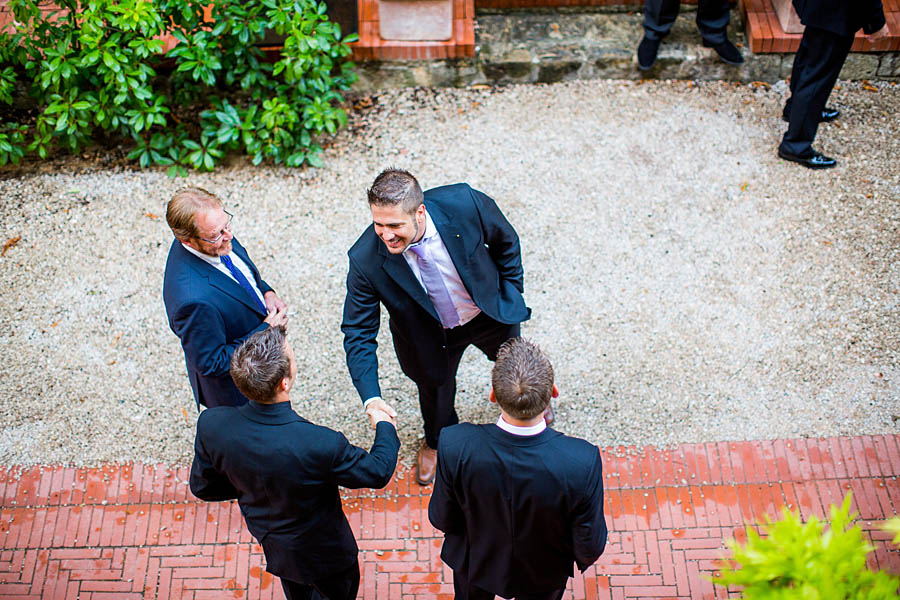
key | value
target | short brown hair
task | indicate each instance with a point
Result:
(522, 379)
(396, 187)
(260, 363)
(182, 208)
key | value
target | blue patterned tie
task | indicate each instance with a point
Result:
(437, 290)
(226, 260)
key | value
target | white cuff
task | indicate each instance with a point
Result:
(370, 400)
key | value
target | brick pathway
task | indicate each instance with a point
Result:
(135, 531)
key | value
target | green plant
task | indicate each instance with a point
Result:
(797, 560)
(97, 69)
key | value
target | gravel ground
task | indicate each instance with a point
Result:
(687, 284)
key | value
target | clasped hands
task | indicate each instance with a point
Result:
(276, 308)
(378, 410)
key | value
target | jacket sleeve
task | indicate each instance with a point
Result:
(362, 316)
(201, 329)
(588, 523)
(444, 510)
(501, 239)
(353, 467)
(205, 481)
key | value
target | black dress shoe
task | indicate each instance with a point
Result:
(816, 160)
(646, 53)
(828, 115)
(727, 51)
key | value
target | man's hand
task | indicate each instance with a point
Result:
(276, 317)
(274, 303)
(880, 34)
(378, 410)
(277, 310)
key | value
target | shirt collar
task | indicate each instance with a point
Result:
(213, 260)
(430, 232)
(518, 430)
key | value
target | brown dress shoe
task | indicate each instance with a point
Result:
(426, 464)
(548, 414)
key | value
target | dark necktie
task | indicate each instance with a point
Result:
(434, 285)
(226, 260)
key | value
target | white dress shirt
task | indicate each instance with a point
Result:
(236, 260)
(431, 239)
(519, 430)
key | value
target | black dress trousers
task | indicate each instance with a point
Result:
(438, 402)
(712, 18)
(816, 67)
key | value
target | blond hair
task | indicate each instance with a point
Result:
(183, 207)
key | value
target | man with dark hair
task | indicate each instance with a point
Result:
(285, 471)
(447, 266)
(214, 295)
(518, 502)
(827, 37)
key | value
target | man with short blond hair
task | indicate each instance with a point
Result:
(214, 295)
(518, 502)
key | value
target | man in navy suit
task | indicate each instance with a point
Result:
(518, 503)
(447, 266)
(827, 37)
(214, 296)
(285, 471)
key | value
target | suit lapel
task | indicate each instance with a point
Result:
(219, 280)
(453, 239)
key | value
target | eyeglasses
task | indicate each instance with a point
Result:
(226, 229)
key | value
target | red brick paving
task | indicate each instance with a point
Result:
(134, 531)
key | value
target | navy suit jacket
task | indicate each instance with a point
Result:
(284, 472)
(212, 315)
(843, 17)
(517, 511)
(485, 251)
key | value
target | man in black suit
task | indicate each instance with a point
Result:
(829, 29)
(214, 296)
(285, 471)
(518, 503)
(712, 21)
(447, 266)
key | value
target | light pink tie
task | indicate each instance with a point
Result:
(437, 290)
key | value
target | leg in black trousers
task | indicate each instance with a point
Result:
(437, 402)
(816, 68)
(659, 16)
(712, 20)
(340, 586)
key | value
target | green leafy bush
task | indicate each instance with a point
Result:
(98, 70)
(797, 560)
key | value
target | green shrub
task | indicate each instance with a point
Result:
(797, 560)
(96, 70)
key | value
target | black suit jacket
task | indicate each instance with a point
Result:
(517, 511)
(285, 472)
(485, 251)
(212, 315)
(843, 17)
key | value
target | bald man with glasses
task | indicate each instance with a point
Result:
(214, 296)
